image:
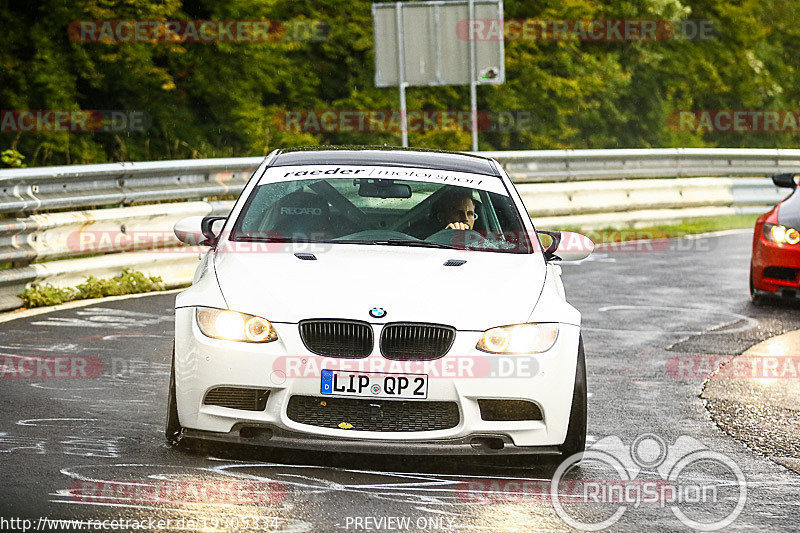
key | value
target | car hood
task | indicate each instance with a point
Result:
(411, 284)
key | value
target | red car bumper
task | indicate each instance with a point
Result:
(775, 268)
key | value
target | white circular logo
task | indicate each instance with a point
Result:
(684, 482)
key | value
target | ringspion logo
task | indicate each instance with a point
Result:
(705, 490)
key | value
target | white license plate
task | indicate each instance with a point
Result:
(374, 384)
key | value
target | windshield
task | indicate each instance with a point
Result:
(380, 211)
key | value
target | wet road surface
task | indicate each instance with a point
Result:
(656, 322)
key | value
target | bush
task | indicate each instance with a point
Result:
(126, 282)
(46, 294)
(12, 158)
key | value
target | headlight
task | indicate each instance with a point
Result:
(520, 338)
(233, 326)
(781, 234)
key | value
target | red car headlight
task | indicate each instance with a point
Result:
(781, 234)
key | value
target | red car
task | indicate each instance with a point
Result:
(775, 263)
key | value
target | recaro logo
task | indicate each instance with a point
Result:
(301, 211)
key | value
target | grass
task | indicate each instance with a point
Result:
(662, 231)
(126, 282)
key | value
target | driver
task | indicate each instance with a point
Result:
(455, 210)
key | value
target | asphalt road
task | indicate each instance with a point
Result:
(93, 449)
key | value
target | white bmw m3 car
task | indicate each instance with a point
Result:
(379, 301)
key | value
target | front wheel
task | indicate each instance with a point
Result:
(756, 298)
(576, 430)
(173, 428)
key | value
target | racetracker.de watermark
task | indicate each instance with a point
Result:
(622, 241)
(197, 31)
(515, 490)
(450, 367)
(210, 492)
(595, 30)
(391, 121)
(83, 121)
(735, 121)
(766, 367)
(211, 522)
(50, 367)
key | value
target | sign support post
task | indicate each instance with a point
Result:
(473, 91)
(401, 72)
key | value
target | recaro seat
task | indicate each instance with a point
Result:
(302, 216)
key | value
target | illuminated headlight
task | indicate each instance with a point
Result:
(520, 338)
(233, 326)
(781, 234)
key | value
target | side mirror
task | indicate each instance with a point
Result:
(197, 230)
(785, 180)
(565, 245)
(549, 240)
(211, 230)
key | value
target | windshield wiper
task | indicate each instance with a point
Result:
(398, 242)
(254, 238)
(385, 242)
(423, 244)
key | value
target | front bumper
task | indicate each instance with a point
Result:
(286, 368)
(775, 269)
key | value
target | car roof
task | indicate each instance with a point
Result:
(386, 156)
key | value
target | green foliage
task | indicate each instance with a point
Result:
(46, 294)
(126, 282)
(12, 158)
(226, 99)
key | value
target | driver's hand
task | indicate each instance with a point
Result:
(457, 225)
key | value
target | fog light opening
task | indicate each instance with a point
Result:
(509, 410)
(491, 443)
(255, 433)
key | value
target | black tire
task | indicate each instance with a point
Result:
(576, 430)
(173, 429)
(756, 298)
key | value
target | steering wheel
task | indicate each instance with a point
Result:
(461, 238)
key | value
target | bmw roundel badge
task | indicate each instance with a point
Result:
(377, 312)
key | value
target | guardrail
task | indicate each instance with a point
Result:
(28, 190)
(586, 188)
(572, 165)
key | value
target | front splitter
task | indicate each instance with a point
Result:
(274, 437)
